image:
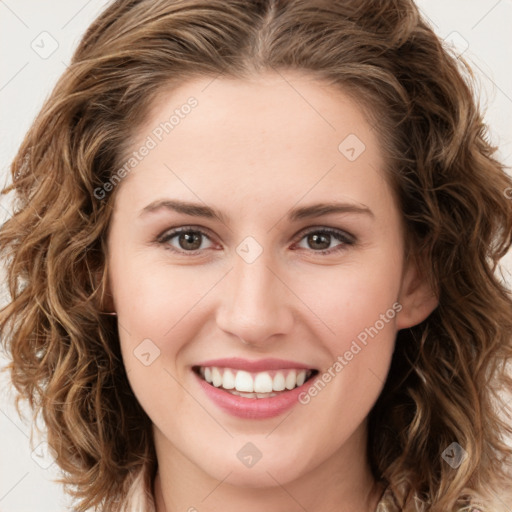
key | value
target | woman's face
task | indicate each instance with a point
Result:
(290, 262)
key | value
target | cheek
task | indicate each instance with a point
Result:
(151, 297)
(359, 307)
(352, 298)
(153, 303)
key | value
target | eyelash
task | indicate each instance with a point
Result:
(341, 236)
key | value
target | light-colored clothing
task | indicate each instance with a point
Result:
(387, 503)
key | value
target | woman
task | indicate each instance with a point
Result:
(252, 263)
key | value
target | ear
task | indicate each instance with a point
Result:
(416, 297)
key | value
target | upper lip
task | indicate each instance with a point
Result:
(259, 365)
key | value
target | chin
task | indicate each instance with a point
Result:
(280, 468)
(260, 477)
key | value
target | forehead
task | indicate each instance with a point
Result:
(285, 105)
(275, 131)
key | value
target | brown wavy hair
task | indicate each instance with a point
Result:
(447, 373)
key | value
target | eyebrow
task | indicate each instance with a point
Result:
(303, 212)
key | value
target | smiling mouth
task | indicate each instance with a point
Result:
(265, 384)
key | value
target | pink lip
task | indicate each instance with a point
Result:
(253, 408)
(260, 365)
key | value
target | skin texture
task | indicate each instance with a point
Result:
(254, 150)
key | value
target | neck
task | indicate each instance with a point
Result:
(343, 483)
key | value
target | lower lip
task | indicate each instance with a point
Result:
(253, 408)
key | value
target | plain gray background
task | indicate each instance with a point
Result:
(36, 42)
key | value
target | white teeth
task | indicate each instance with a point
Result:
(279, 383)
(216, 377)
(244, 381)
(258, 385)
(263, 383)
(291, 380)
(252, 395)
(228, 379)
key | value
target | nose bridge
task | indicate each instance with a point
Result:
(254, 302)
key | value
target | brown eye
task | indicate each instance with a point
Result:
(184, 240)
(321, 240)
(190, 240)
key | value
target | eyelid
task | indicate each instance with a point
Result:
(327, 229)
(170, 233)
(344, 237)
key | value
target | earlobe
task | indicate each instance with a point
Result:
(417, 297)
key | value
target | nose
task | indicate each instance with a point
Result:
(255, 304)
